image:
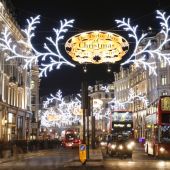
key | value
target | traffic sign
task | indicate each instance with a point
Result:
(82, 153)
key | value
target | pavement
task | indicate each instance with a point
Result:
(95, 158)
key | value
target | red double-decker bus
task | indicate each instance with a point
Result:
(157, 128)
(71, 138)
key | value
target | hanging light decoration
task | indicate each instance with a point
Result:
(138, 56)
(96, 47)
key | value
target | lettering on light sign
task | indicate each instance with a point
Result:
(97, 47)
(119, 125)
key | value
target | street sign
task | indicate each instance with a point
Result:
(82, 153)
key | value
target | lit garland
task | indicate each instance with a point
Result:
(31, 55)
(131, 98)
(105, 89)
(138, 57)
(64, 113)
(57, 97)
(107, 113)
(98, 108)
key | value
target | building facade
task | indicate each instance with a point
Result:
(144, 84)
(15, 86)
(100, 95)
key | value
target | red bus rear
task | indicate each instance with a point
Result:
(71, 139)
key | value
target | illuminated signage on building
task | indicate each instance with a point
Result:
(119, 125)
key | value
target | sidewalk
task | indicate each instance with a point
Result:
(20, 156)
(95, 158)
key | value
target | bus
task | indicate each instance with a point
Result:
(122, 123)
(157, 128)
(71, 138)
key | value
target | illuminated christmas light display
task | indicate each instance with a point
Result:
(98, 108)
(98, 42)
(131, 97)
(63, 113)
(57, 97)
(105, 89)
(138, 57)
(96, 47)
(30, 54)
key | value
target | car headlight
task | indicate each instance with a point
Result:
(120, 147)
(113, 146)
(162, 149)
(103, 143)
(129, 146)
(132, 143)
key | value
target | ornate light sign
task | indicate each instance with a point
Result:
(97, 47)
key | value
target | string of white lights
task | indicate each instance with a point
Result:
(138, 57)
(63, 113)
(29, 54)
(116, 104)
(105, 89)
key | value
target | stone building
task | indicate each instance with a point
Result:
(143, 84)
(15, 86)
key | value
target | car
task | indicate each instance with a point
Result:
(120, 147)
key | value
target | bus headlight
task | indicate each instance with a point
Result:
(120, 147)
(113, 146)
(162, 149)
(130, 145)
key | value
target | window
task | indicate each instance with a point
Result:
(11, 118)
(106, 96)
(163, 79)
(32, 84)
(164, 93)
(20, 122)
(162, 64)
(33, 99)
(165, 118)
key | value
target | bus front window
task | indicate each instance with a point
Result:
(165, 134)
(70, 136)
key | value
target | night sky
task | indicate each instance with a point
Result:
(100, 15)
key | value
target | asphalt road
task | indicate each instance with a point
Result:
(62, 159)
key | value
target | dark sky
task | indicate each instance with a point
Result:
(100, 15)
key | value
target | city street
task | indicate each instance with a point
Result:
(67, 159)
(84, 85)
